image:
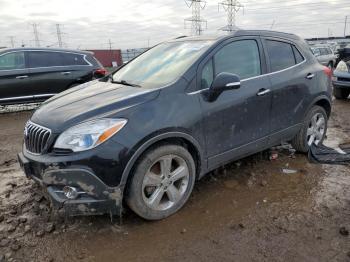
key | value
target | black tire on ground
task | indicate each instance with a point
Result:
(300, 142)
(135, 191)
(341, 93)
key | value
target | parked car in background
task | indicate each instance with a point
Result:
(341, 80)
(145, 134)
(35, 74)
(324, 55)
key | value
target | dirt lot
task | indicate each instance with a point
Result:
(249, 211)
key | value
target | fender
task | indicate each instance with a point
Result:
(153, 140)
(317, 99)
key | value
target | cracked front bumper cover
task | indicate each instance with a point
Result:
(95, 196)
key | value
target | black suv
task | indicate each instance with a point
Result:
(147, 132)
(35, 74)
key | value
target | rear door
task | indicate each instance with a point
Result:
(52, 72)
(237, 123)
(14, 77)
(292, 79)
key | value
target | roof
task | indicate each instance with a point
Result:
(238, 33)
(44, 49)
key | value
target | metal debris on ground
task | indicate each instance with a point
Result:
(289, 171)
(18, 108)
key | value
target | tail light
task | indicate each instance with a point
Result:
(328, 71)
(100, 72)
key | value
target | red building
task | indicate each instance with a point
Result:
(108, 58)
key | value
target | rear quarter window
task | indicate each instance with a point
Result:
(298, 56)
(73, 59)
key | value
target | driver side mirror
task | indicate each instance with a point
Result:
(222, 82)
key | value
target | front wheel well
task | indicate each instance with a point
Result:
(192, 149)
(324, 103)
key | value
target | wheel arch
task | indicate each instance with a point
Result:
(171, 137)
(324, 103)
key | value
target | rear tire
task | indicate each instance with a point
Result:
(162, 182)
(341, 93)
(315, 124)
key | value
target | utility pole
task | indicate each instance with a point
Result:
(346, 21)
(12, 41)
(59, 35)
(196, 21)
(36, 34)
(231, 7)
(110, 44)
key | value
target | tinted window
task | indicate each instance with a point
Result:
(298, 57)
(207, 75)
(47, 59)
(323, 51)
(43, 59)
(12, 61)
(280, 54)
(240, 58)
(73, 59)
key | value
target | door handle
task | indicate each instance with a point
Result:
(21, 77)
(263, 91)
(66, 73)
(310, 76)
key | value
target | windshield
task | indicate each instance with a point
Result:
(162, 64)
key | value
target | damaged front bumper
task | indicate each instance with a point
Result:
(93, 197)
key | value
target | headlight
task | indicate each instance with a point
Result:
(89, 134)
(342, 67)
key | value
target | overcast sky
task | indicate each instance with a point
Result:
(88, 24)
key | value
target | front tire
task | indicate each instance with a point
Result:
(341, 93)
(313, 130)
(162, 182)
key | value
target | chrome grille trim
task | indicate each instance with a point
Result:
(36, 138)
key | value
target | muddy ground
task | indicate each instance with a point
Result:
(249, 211)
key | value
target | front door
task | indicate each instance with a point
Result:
(238, 122)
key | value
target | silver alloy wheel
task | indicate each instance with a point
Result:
(316, 129)
(165, 183)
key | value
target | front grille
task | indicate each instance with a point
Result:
(36, 138)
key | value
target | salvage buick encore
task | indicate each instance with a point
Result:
(144, 134)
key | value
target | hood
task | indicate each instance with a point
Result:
(87, 101)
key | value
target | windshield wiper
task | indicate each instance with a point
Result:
(126, 83)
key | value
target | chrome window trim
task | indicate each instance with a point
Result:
(254, 77)
(25, 97)
(52, 51)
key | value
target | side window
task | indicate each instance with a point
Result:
(12, 61)
(323, 51)
(73, 59)
(240, 58)
(207, 75)
(281, 55)
(44, 59)
(298, 57)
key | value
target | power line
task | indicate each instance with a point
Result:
(36, 34)
(196, 20)
(346, 21)
(59, 35)
(12, 41)
(231, 7)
